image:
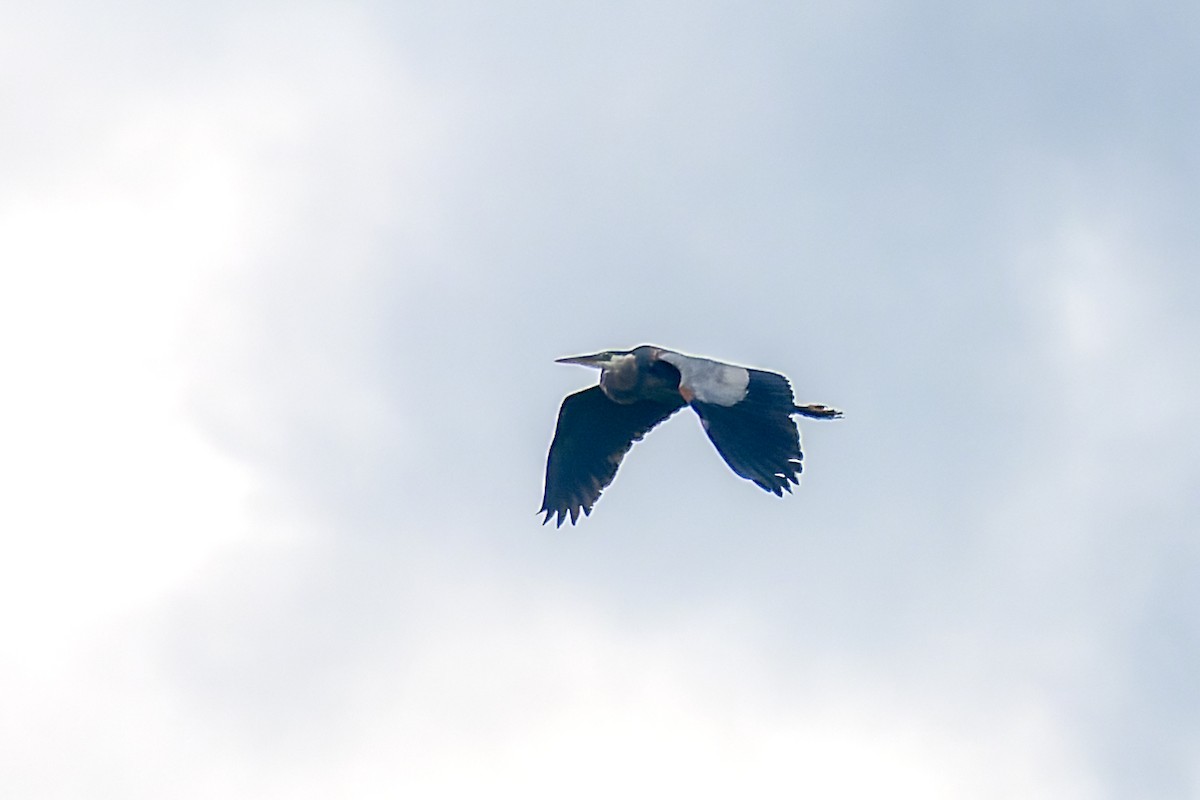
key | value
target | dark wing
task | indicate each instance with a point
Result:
(592, 437)
(756, 435)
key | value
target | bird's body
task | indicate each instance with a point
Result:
(746, 412)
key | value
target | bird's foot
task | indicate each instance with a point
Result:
(818, 412)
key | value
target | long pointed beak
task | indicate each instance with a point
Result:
(596, 360)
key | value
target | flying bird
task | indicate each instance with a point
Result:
(747, 414)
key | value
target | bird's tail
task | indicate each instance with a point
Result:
(817, 412)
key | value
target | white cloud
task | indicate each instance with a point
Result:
(119, 253)
(114, 494)
(539, 698)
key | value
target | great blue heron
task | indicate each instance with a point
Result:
(747, 414)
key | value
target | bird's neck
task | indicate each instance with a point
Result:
(620, 379)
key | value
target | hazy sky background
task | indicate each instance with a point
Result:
(282, 287)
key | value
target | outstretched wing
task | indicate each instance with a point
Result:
(592, 437)
(756, 435)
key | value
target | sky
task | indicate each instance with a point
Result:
(281, 290)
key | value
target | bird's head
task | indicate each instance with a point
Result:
(621, 371)
(616, 359)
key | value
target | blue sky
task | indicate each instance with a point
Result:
(282, 290)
